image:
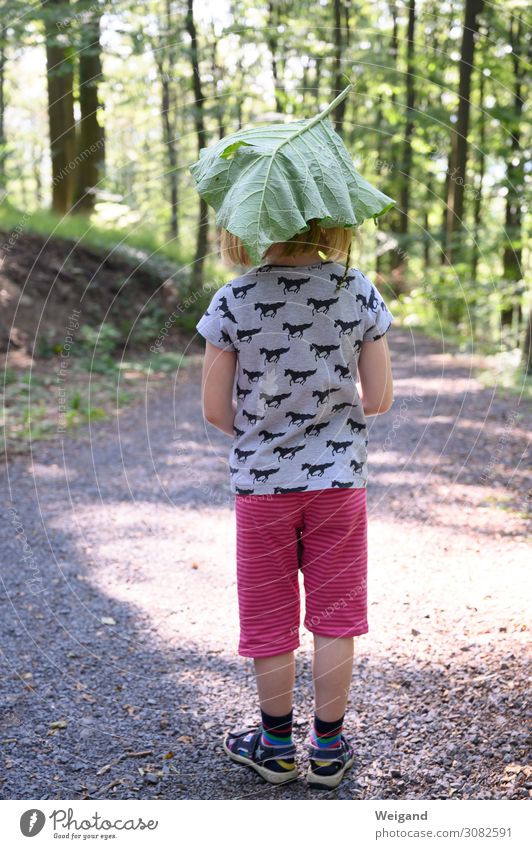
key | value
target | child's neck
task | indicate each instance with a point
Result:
(312, 258)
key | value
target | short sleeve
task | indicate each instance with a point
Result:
(217, 324)
(378, 317)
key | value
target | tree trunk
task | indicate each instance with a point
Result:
(3, 40)
(91, 150)
(59, 72)
(399, 220)
(477, 209)
(165, 54)
(339, 112)
(394, 45)
(459, 144)
(527, 345)
(317, 82)
(203, 224)
(274, 20)
(514, 180)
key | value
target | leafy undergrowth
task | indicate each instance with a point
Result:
(47, 403)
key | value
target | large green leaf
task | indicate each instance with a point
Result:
(267, 182)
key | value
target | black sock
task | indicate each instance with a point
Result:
(326, 734)
(276, 730)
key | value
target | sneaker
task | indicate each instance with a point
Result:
(275, 764)
(327, 766)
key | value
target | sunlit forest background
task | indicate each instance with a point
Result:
(105, 104)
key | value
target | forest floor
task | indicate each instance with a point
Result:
(119, 610)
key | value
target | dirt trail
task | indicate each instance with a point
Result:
(119, 607)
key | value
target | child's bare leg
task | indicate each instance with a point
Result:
(275, 683)
(332, 670)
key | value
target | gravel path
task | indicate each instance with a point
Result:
(119, 608)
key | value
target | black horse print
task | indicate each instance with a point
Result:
(247, 335)
(316, 471)
(224, 337)
(295, 331)
(299, 418)
(347, 281)
(356, 427)
(272, 355)
(238, 432)
(298, 376)
(267, 436)
(263, 474)
(324, 395)
(314, 430)
(346, 326)
(373, 301)
(343, 371)
(234, 469)
(240, 292)
(362, 300)
(224, 309)
(240, 491)
(322, 352)
(342, 485)
(242, 393)
(269, 309)
(253, 376)
(273, 400)
(338, 447)
(321, 306)
(243, 455)
(339, 407)
(252, 418)
(356, 466)
(357, 345)
(280, 489)
(290, 285)
(287, 453)
(375, 338)
(373, 326)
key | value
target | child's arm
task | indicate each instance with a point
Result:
(376, 381)
(219, 368)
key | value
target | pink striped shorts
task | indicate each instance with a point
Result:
(322, 532)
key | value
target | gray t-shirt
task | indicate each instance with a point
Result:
(299, 424)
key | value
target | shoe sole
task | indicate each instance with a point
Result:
(267, 774)
(328, 782)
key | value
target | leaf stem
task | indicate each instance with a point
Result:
(316, 119)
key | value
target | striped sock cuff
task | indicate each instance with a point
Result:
(326, 735)
(276, 730)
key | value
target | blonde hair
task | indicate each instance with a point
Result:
(334, 242)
